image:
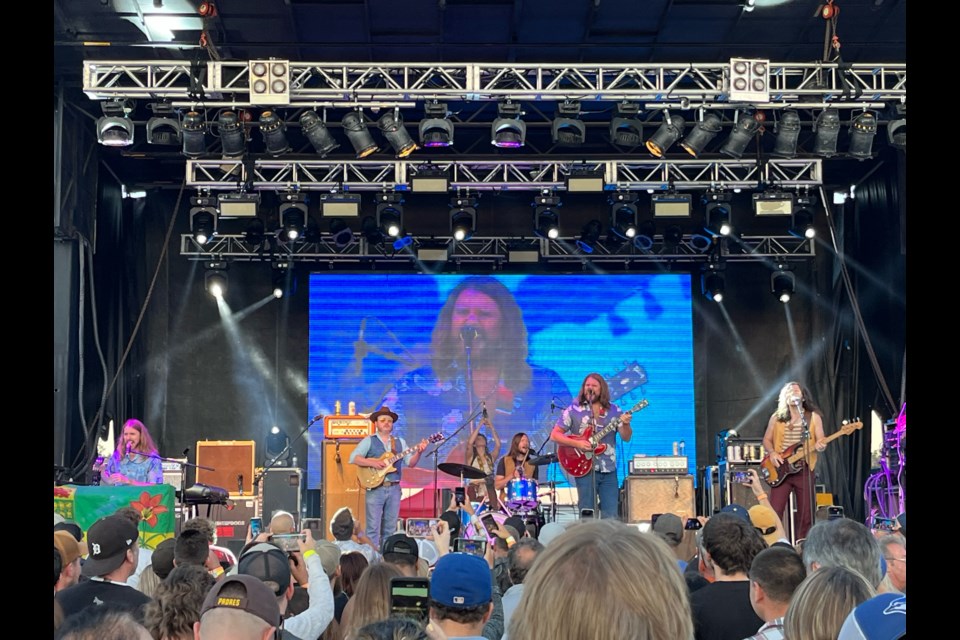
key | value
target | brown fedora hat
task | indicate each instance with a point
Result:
(383, 411)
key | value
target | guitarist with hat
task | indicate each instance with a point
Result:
(796, 413)
(382, 503)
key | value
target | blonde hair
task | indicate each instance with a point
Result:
(822, 602)
(600, 561)
(148, 581)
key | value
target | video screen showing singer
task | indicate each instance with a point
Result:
(135, 461)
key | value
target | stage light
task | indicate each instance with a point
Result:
(743, 131)
(567, 129)
(623, 215)
(293, 215)
(625, 129)
(402, 242)
(717, 214)
(269, 81)
(863, 128)
(340, 205)
(827, 128)
(897, 128)
(671, 205)
(712, 283)
(371, 231)
(508, 131)
(273, 130)
(232, 137)
(435, 129)
(390, 213)
(342, 234)
(788, 131)
(773, 203)
(429, 180)
(589, 236)
(702, 133)
(239, 204)
(669, 132)
(672, 236)
(115, 129)
(317, 133)
(276, 445)
(280, 276)
(749, 80)
(782, 283)
(645, 235)
(355, 126)
(203, 218)
(546, 220)
(582, 179)
(801, 224)
(215, 279)
(194, 132)
(463, 217)
(391, 125)
(163, 128)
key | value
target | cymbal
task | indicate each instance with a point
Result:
(464, 470)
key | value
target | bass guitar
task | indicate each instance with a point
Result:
(794, 456)
(577, 462)
(371, 478)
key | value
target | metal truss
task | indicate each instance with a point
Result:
(486, 175)
(691, 249)
(346, 84)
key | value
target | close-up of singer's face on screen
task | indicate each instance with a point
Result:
(438, 350)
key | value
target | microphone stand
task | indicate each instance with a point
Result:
(807, 455)
(436, 455)
(269, 465)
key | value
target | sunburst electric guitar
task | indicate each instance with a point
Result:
(578, 463)
(773, 475)
(371, 478)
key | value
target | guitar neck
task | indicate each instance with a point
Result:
(602, 433)
(400, 455)
(802, 450)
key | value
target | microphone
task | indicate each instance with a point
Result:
(240, 483)
(467, 334)
(185, 452)
(317, 417)
(129, 447)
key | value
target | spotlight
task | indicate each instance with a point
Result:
(163, 128)
(546, 221)
(749, 80)
(194, 134)
(568, 130)
(281, 275)
(717, 214)
(371, 231)
(712, 283)
(317, 133)
(357, 132)
(589, 236)
(801, 224)
(203, 218)
(862, 131)
(274, 134)
(672, 236)
(827, 127)
(788, 130)
(897, 128)
(276, 445)
(436, 130)
(743, 131)
(342, 234)
(645, 234)
(669, 132)
(783, 284)
(701, 243)
(390, 213)
(269, 81)
(703, 132)
(463, 217)
(625, 129)
(115, 129)
(391, 125)
(232, 136)
(623, 215)
(508, 131)
(215, 279)
(293, 216)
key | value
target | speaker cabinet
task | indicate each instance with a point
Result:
(232, 521)
(282, 491)
(648, 495)
(340, 485)
(232, 464)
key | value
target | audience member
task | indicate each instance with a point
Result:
(519, 560)
(822, 602)
(461, 595)
(670, 529)
(843, 543)
(894, 550)
(774, 575)
(70, 552)
(162, 561)
(349, 535)
(371, 599)
(883, 617)
(401, 551)
(393, 629)
(177, 602)
(102, 623)
(239, 607)
(143, 560)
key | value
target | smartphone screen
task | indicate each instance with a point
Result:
(410, 597)
(489, 524)
(742, 476)
(883, 524)
(692, 523)
(421, 527)
(286, 541)
(460, 495)
(468, 545)
(256, 526)
(315, 525)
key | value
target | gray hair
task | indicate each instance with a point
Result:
(519, 564)
(843, 543)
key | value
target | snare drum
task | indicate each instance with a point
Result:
(522, 494)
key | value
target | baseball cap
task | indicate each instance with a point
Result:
(162, 558)
(72, 528)
(329, 556)
(764, 519)
(669, 527)
(108, 540)
(738, 511)
(401, 544)
(268, 564)
(461, 580)
(550, 531)
(902, 519)
(517, 523)
(883, 617)
(68, 547)
(256, 599)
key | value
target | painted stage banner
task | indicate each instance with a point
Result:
(86, 505)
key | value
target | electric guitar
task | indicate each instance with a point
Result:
(371, 478)
(577, 462)
(774, 475)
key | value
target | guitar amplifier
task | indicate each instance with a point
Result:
(645, 496)
(657, 465)
(353, 427)
(232, 463)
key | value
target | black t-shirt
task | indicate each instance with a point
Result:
(100, 593)
(502, 469)
(722, 611)
(339, 602)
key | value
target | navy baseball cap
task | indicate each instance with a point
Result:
(461, 580)
(738, 511)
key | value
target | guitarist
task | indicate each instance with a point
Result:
(593, 408)
(785, 428)
(383, 503)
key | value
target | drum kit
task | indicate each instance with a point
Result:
(522, 494)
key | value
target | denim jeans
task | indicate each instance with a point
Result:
(383, 509)
(607, 487)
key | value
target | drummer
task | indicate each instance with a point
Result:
(516, 466)
(481, 457)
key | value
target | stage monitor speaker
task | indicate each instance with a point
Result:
(282, 491)
(232, 463)
(340, 485)
(647, 495)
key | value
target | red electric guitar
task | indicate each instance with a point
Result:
(578, 463)
(774, 475)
